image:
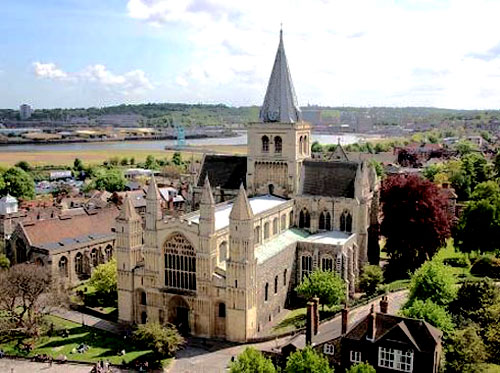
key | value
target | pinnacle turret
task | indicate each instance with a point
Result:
(241, 208)
(206, 195)
(153, 193)
(128, 212)
(280, 103)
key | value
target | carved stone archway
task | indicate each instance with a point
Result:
(178, 314)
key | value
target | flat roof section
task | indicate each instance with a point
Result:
(258, 204)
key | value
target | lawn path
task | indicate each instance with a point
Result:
(95, 322)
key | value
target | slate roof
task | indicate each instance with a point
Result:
(329, 179)
(67, 232)
(224, 171)
(420, 333)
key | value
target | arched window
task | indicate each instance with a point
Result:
(266, 230)
(266, 292)
(180, 263)
(346, 222)
(265, 144)
(290, 222)
(276, 284)
(304, 219)
(301, 145)
(275, 226)
(94, 258)
(79, 263)
(284, 276)
(321, 221)
(278, 144)
(222, 310)
(143, 298)
(306, 146)
(328, 222)
(283, 222)
(223, 251)
(306, 266)
(327, 264)
(144, 317)
(256, 232)
(108, 251)
(63, 267)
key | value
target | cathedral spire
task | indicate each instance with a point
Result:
(241, 208)
(280, 103)
(153, 193)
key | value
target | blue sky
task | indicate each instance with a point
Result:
(363, 53)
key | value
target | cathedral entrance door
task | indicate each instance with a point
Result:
(178, 314)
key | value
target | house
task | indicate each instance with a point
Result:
(387, 342)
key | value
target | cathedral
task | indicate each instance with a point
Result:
(264, 221)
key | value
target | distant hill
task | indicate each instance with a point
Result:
(163, 114)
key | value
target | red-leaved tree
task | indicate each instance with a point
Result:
(415, 222)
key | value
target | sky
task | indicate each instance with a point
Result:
(80, 53)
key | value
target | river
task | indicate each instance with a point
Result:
(241, 139)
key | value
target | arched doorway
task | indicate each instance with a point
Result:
(220, 319)
(271, 189)
(178, 314)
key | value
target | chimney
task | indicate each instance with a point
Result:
(345, 319)
(315, 302)
(309, 323)
(384, 304)
(372, 325)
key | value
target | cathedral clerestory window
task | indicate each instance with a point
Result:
(265, 144)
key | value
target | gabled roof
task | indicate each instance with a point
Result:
(329, 178)
(224, 171)
(419, 333)
(280, 103)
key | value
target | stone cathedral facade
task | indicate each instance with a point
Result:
(228, 269)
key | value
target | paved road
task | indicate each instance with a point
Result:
(214, 358)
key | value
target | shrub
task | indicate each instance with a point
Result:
(361, 368)
(431, 312)
(251, 360)
(164, 340)
(488, 266)
(307, 360)
(458, 261)
(369, 280)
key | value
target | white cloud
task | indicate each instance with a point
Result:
(49, 71)
(130, 83)
(349, 52)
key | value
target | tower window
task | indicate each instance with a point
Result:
(278, 144)
(304, 219)
(265, 144)
(346, 222)
(275, 284)
(266, 292)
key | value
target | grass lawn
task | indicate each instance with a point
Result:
(297, 318)
(103, 345)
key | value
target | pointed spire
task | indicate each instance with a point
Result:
(280, 103)
(153, 193)
(128, 212)
(206, 195)
(241, 208)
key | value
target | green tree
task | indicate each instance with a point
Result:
(434, 281)
(19, 183)
(370, 279)
(114, 161)
(4, 262)
(465, 349)
(104, 278)
(132, 161)
(316, 147)
(177, 159)
(474, 300)
(361, 368)
(307, 360)
(78, 164)
(23, 165)
(379, 169)
(163, 340)
(124, 161)
(252, 361)
(479, 225)
(429, 311)
(151, 163)
(326, 285)
(111, 180)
